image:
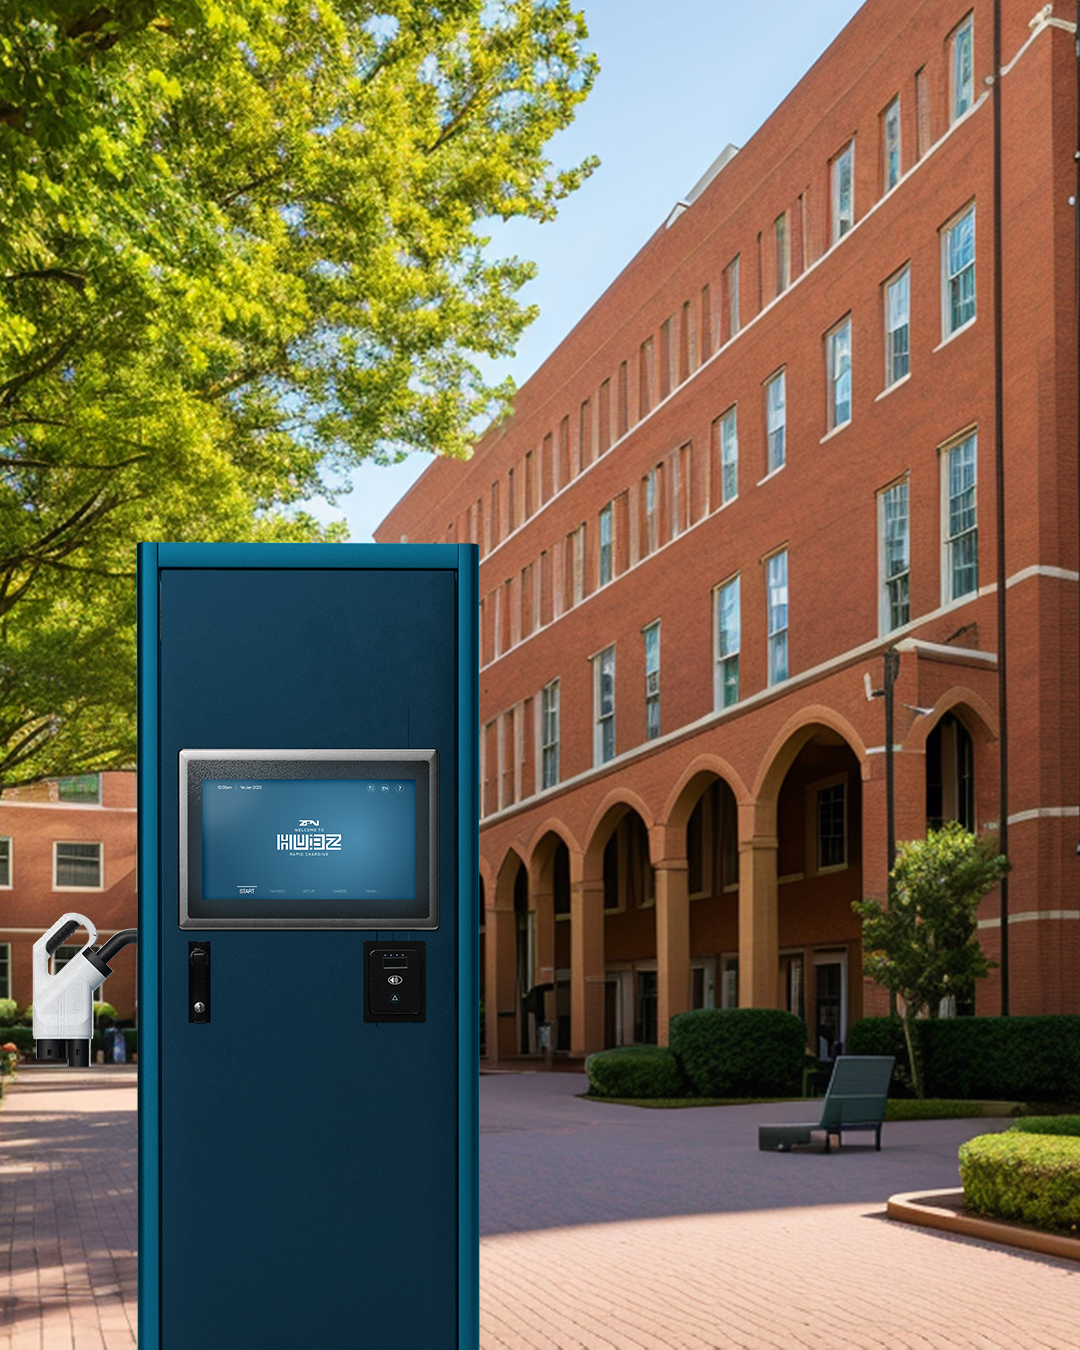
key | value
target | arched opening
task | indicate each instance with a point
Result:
(950, 775)
(549, 901)
(629, 895)
(819, 875)
(712, 878)
(524, 964)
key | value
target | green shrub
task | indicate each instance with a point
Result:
(883, 1036)
(1048, 1125)
(635, 1071)
(1031, 1177)
(991, 1058)
(740, 1052)
(9, 1011)
(23, 1037)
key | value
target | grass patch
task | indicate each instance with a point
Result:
(897, 1109)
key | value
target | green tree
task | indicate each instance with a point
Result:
(240, 252)
(923, 945)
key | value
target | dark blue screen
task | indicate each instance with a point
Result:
(309, 839)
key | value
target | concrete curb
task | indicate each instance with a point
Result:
(944, 1210)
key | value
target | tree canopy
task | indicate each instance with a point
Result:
(240, 252)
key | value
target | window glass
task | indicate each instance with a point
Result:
(890, 128)
(843, 198)
(80, 789)
(78, 865)
(729, 456)
(961, 523)
(776, 420)
(777, 584)
(604, 668)
(895, 556)
(832, 850)
(652, 681)
(5, 862)
(606, 545)
(897, 327)
(963, 67)
(728, 642)
(549, 734)
(958, 265)
(783, 254)
(839, 363)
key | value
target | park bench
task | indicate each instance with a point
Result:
(855, 1100)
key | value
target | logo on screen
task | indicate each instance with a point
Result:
(308, 843)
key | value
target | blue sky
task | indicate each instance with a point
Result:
(670, 95)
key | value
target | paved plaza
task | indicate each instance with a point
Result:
(603, 1227)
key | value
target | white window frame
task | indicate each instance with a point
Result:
(549, 735)
(729, 455)
(652, 680)
(731, 276)
(776, 421)
(891, 577)
(838, 349)
(651, 494)
(962, 67)
(604, 717)
(10, 860)
(843, 191)
(891, 145)
(80, 843)
(606, 551)
(953, 276)
(778, 612)
(897, 298)
(727, 643)
(952, 538)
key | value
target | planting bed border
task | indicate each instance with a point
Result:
(944, 1210)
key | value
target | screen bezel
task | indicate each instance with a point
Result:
(421, 912)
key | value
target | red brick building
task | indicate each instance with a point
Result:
(767, 455)
(67, 844)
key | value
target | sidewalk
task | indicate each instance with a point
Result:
(604, 1228)
(68, 1220)
(618, 1228)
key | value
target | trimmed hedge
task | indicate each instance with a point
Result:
(994, 1058)
(1034, 1178)
(740, 1052)
(1069, 1125)
(635, 1071)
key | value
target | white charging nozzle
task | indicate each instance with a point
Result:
(64, 1002)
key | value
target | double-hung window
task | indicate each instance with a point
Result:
(776, 580)
(898, 326)
(775, 420)
(606, 544)
(728, 642)
(604, 706)
(831, 826)
(838, 364)
(958, 272)
(77, 867)
(843, 191)
(890, 145)
(549, 734)
(652, 680)
(962, 67)
(731, 290)
(5, 862)
(894, 531)
(729, 457)
(783, 253)
(961, 561)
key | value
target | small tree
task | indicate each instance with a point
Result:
(922, 945)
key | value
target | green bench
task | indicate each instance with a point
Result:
(855, 1100)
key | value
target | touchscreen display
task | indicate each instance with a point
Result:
(344, 839)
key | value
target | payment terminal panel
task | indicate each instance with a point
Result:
(308, 988)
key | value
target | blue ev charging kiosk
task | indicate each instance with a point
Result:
(307, 933)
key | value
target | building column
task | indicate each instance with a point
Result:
(542, 900)
(500, 982)
(586, 953)
(759, 930)
(672, 939)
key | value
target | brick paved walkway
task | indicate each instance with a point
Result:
(68, 1220)
(605, 1228)
(612, 1228)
